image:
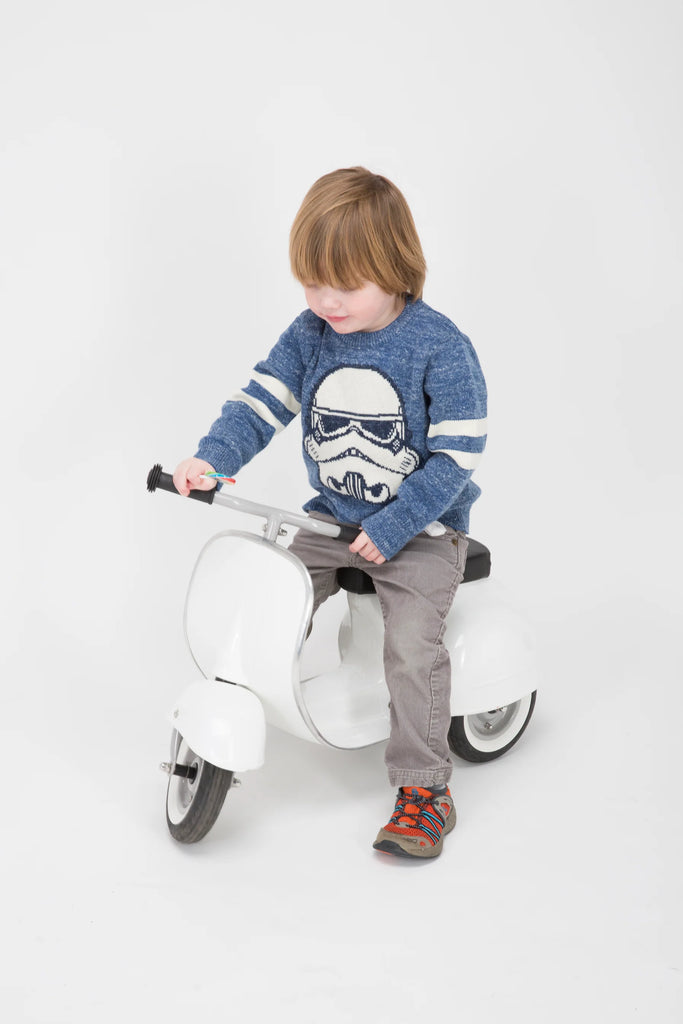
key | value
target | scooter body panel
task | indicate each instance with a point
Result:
(247, 610)
(492, 649)
(493, 664)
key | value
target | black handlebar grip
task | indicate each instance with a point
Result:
(348, 533)
(156, 478)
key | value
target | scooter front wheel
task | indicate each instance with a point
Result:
(195, 795)
(486, 736)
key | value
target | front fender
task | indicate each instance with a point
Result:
(223, 723)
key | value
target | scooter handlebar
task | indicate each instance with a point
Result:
(348, 533)
(156, 478)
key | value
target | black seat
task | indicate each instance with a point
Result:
(477, 567)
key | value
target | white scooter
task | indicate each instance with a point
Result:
(247, 618)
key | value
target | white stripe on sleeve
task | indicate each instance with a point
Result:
(466, 460)
(278, 390)
(261, 410)
(459, 428)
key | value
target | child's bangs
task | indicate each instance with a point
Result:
(331, 254)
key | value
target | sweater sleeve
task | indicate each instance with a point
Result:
(456, 400)
(270, 401)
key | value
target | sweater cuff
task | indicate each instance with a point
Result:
(392, 528)
(223, 458)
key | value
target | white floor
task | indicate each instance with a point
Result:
(557, 897)
(155, 155)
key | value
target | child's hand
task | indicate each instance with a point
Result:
(189, 476)
(364, 547)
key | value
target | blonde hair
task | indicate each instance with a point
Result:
(352, 227)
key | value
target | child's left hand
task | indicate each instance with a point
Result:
(363, 546)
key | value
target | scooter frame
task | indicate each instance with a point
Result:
(248, 642)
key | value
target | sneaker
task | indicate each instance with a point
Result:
(420, 821)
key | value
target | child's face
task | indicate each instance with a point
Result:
(363, 309)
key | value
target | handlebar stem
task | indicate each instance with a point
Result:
(275, 517)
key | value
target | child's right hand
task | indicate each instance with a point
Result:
(189, 476)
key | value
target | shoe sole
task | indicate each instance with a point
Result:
(387, 846)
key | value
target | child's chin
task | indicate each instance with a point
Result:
(343, 327)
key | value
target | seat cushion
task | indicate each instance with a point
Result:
(477, 567)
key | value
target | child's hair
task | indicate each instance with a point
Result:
(354, 226)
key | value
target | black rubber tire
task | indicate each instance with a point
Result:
(192, 806)
(471, 744)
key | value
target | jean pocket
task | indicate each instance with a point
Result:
(460, 542)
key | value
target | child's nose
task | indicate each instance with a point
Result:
(329, 300)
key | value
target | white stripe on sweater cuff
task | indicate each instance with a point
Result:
(459, 428)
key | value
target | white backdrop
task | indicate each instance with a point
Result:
(152, 157)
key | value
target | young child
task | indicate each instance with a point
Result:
(393, 412)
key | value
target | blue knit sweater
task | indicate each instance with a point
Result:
(393, 421)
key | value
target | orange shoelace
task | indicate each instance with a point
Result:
(416, 815)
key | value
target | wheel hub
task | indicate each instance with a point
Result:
(488, 723)
(185, 771)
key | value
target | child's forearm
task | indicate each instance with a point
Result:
(422, 498)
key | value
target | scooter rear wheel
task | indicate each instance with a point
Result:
(484, 737)
(194, 799)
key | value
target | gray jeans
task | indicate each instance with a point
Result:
(415, 590)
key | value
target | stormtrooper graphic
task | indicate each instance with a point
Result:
(357, 435)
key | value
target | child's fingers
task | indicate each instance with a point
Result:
(373, 555)
(189, 476)
(363, 546)
(357, 544)
(199, 482)
(180, 480)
